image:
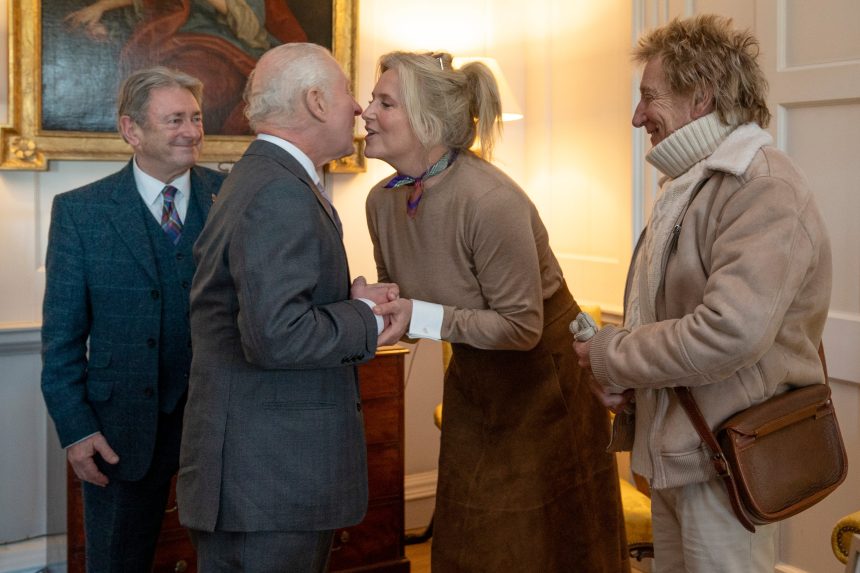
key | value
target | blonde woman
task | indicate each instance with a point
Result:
(524, 481)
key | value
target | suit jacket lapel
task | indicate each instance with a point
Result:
(201, 194)
(329, 208)
(128, 222)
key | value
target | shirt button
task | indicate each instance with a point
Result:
(179, 256)
(148, 392)
(154, 294)
(185, 284)
(150, 342)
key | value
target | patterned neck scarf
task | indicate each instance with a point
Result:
(415, 197)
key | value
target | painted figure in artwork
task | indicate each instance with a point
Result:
(218, 41)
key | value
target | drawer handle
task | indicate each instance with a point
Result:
(342, 540)
(181, 566)
(171, 510)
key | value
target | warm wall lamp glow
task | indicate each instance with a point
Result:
(510, 108)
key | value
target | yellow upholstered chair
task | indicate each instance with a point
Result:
(843, 532)
(635, 503)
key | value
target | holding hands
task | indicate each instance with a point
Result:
(397, 315)
(396, 312)
(378, 293)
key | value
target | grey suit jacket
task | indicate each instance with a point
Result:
(274, 436)
(101, 291)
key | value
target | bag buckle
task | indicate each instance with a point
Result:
(721, 465)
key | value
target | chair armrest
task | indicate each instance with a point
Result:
(842, 532)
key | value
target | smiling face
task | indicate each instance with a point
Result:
(168, 143)
(389, 134)
(661, 111)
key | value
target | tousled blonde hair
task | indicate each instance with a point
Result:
(705, 54)
(445, 105)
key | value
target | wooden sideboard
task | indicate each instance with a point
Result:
(375, 545)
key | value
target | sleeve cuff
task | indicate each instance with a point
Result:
(426, 320)
(379, 323)
(81, 440)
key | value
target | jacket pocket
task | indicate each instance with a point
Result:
(99, 359)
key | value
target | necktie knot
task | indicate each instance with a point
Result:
(169, 193)
(170, 221)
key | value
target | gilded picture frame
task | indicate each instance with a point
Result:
(27, 142)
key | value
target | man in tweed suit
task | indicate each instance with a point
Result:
(273, 456)
(115, 337)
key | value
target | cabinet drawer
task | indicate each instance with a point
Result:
(384, 471)
(383, 420)
(376, 539)
(382, 376)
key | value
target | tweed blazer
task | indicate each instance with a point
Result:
(274, 434)
(102, 316)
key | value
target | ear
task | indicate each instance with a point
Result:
(316, 103)
(129, 130)
(703, 102)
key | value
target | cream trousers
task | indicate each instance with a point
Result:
(695, 531)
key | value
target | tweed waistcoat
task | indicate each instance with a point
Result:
(175, 266)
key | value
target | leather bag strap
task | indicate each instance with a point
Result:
(718, 459)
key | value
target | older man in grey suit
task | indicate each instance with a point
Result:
(273, 456)
(115, 334)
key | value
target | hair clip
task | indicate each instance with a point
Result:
(440, 58)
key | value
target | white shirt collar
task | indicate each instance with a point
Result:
(150, 190)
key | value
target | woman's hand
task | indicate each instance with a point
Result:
(397, 314)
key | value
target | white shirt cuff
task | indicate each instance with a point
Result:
(81, 440)
(379, 324)
(426, 320)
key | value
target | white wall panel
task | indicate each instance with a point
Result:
(822, 139)
(804, 20)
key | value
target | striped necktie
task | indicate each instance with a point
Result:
(170, 221)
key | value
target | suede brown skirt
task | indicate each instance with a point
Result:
(525, 483)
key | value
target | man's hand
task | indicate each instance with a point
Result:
(81, 457)
(378, 293)
(615, 402)
(397, 315)
(583, 351)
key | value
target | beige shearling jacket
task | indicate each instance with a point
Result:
(740, 310)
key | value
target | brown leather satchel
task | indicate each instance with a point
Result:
(779, 457)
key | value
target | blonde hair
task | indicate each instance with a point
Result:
(703, 54)
(447, 106)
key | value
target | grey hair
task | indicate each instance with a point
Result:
(275, 98)
(136, 90)
(447, 106)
